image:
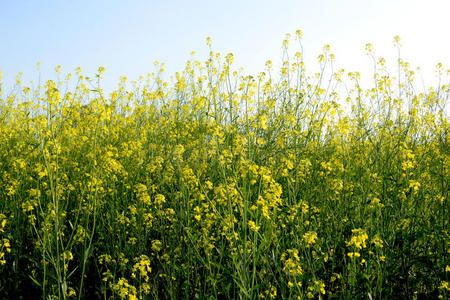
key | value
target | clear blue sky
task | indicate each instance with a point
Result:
(126, 37)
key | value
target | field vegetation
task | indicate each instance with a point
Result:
(281, 185)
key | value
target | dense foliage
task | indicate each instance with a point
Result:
(219, 185)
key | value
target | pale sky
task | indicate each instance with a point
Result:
(126, 37)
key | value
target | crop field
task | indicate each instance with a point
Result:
(216, 184)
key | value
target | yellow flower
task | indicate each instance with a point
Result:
(252, 226)
(444, 286)
(156, 245)
(310, 238)
(263, 122)
(378, 242)
(358, 239)
(71, 292)
(353, 254)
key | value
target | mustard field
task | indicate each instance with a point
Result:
(216, 184)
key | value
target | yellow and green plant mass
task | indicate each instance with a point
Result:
(217, 184)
